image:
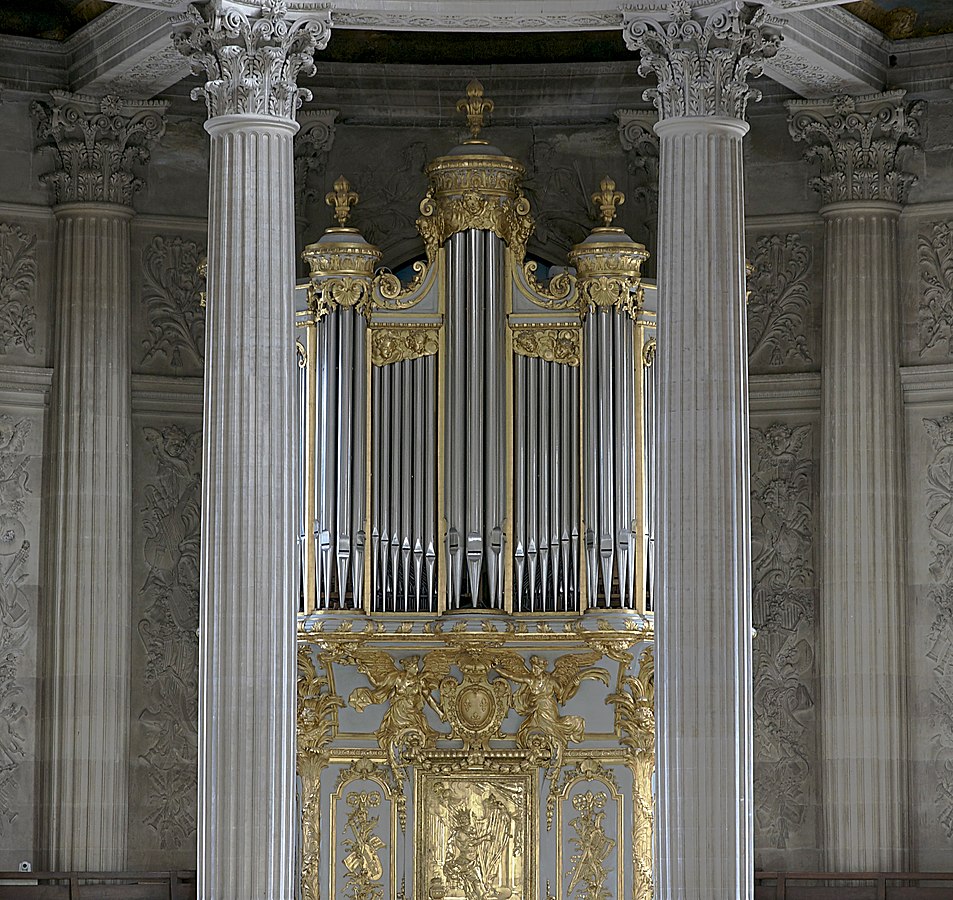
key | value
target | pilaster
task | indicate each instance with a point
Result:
(704, 768)
(85, 719)
(248, 588)
(859, 143)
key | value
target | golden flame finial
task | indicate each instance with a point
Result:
(607, 198)
(475, 106)
(342, 198)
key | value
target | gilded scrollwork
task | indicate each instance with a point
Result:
(394, 294)
(396, 343)
(553, 344)
(558, 294)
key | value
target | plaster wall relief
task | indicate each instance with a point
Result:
(783, 488)
(17, 286)
(783, 313)
(473, 760)
(167, 459)
(930, 325)
(20, 491)
(169, 324)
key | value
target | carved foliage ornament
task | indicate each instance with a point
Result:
(396, 343)
(17, 280)
(252, 64)
(859, 143)
(312, 144)
(702, 67)
(558, 345)
(935, 309)
(96, 142)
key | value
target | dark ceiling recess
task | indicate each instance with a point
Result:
(54, 20)
(475, 49)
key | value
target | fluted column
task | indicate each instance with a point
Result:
(861, 658)
(85, 719)
(248, 588)
(703, 612)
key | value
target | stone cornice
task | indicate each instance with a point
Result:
(702, 66)
(859, 143)
(252, 62)
(96, 143)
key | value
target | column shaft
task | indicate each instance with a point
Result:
(861, 651)
(703, 619)
(86, 717)
(248, 592)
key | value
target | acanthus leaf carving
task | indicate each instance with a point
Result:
(172, 288)
(18, 272)
(252, 63)
(935, 309)
(778, 299)
(14, 611)
(859, 143)
(167, 630)
(97, 142)
(782, 485)
(702, 67)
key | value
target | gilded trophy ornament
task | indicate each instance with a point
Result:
(607, 198)
(342, 198)
(475, 106)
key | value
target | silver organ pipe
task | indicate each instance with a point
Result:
(475, 430)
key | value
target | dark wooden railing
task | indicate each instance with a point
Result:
(178, 885)
(853, 885)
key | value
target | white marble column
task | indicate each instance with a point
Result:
(862, 614)
(248, 590)
(703, 692)
(86, 620)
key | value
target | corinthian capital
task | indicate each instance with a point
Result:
(96, 142)
(702, 66)
(859, 143)
(251, 59)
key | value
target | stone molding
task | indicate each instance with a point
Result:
(252, 62)
(702, 66)
(96, 142)
(859, 143)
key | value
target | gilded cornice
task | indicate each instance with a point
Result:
(252, 63)
(859, 143)
(702, 67)
(96, 142)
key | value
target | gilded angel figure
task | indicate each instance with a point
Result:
(541, 693)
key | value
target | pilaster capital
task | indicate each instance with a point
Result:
(252, 56)
(702, 66)
(312, 144)
(859, 143)
(96, 142)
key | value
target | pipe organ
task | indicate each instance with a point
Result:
(477, 436)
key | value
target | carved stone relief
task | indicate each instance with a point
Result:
(782, 493)
(939, 497)
(170, 520)
(779, 302)
(171, 293)
(15, 615)
(935, 307)
(17, 281)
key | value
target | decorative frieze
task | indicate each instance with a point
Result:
(172, 286)
(167, 630)
(859, 143)
(702, 66)
(252, 63)
(778, 299)
(15, 614)
(96, 142)
(935, 307)
(17, 280)
(782, 498)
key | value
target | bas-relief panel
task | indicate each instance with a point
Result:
(168, 321)
(164, 701)
(25, 288)
(563, 168)
(783, 494)
(784, 300)
(21, 442)
(930, 637)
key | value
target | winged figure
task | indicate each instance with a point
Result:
(406, 684)
(541, 693)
